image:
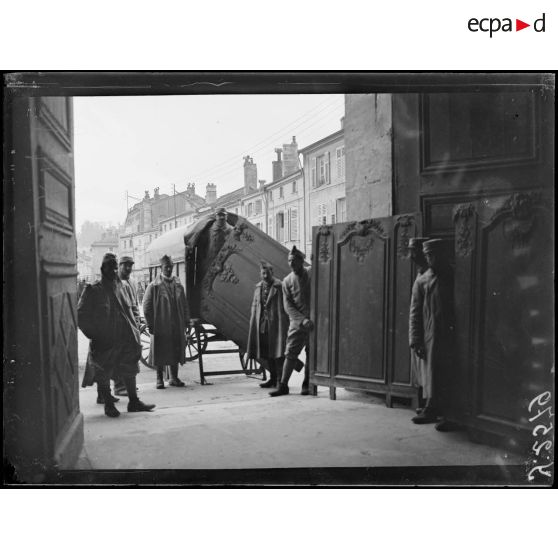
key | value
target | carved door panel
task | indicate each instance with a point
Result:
(362, 278)
(45, 376)
(504, 265)
(228, 287)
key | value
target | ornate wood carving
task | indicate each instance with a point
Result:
(219, 268)
(518, 213)
(361, 241)
(404, 222)
(323, 243)
(241, 232)
(462, 216)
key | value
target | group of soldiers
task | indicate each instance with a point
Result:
(280, 325)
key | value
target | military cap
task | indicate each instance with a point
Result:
(126, 259)
(295, 252)
(417, 241)
(166, 260)
(221, 210)
(265, 265)
(109, 257)
(434, 245)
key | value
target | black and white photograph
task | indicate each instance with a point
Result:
(279, 278)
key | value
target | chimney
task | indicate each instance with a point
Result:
(342, 123)
(290, 157)
(262, 184)
(250, 175)
(191, 189)
(156, 192)
(210, 194)
(277, 166)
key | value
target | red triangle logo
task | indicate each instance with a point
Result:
(519, 25)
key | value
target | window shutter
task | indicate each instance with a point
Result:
(294, 223)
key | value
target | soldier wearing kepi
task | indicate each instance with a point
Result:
(125, 265)
(166, 313)
(268, 324)
(431, 332)
(296, 298)
(106, 318)
(418, 375)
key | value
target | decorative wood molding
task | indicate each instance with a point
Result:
(323, 243)
(404, 223)
(462, 217)
(519, 217)
(360, 238)
(241, 232)
(219, 269)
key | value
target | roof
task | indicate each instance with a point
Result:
(327, 139)
(170, 243)
(287, 177)
(230, 197)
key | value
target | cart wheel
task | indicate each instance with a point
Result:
(192, 342)
(251, 365)
(145, 339)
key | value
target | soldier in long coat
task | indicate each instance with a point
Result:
(418, 374)
(431, 332)
(105, 316)
(268, 324)
(296, 299)
(166, 314)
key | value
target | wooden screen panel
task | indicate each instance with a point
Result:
(322, 290)
(403, 276)
(361, 293)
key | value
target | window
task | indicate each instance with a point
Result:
(280, 227)
(270, 194)
(322, 214)
(293, 223)
(250, 209)
(341, 210)
(313, 168)
(295, 187)
(324, 176)
(258, 207)
(280, 192)
(259, 225)
(340, 154)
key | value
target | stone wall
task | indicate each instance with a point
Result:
(368, 136)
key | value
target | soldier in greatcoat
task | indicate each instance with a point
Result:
(431, 327)
(418, 375)
(105, 316)
(166, 314)
(296, 299)
(268, 324)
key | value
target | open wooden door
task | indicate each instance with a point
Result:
(44, 427)
(361, 288)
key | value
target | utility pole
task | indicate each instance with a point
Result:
(174, 198)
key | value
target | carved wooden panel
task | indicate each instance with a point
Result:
(228, 286)
(505, 276)
(477, 129)
(361, 285)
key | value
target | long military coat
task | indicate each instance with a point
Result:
(431, 325)
(111, 341)
(165, 331)
(278, 322)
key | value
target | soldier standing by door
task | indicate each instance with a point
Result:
(166, 313)
(106, 318)
(431, 332)
(296, 298)
(268, 324)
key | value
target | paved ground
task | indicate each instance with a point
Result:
(234, 424)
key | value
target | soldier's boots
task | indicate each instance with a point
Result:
(283, 389)
(305, 383)
(134, 404)
(272, 382)
(137, 406)
(110, 410)
(101, 398)
(175, 381)
(160, 381)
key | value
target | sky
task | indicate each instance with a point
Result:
(133, 144)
